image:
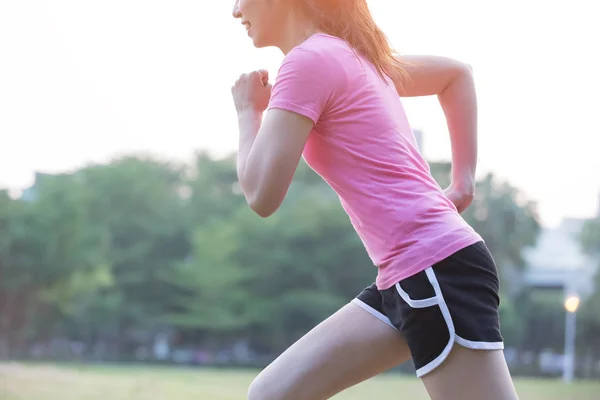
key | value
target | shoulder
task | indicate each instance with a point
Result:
(319, 52)
(311, 78)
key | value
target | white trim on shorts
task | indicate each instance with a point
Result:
(372, 311)
(454, 338)
(438, 300)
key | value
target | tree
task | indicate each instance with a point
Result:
(10, 220)
(590, 237)
(213, 188)
(589, 318)
(269, 279)
(50, 242)
(139, 205)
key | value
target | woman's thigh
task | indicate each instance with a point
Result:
(347, 348)
(470, 374)
(449, 315)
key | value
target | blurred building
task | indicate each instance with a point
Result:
(419, 136)
(558, 261)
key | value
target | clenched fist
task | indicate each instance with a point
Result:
(252, 91)
(461, 195)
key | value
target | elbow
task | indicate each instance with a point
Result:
(465, 66)
(262, 207)
(460, 66)
(460, 70)
(461, 73)
(465, 69)
(261, 211)
(264, 198)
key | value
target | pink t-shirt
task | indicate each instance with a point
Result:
(363, 146)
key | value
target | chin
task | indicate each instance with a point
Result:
(259, 43)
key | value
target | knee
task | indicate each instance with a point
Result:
(262, 389)
(258, 389)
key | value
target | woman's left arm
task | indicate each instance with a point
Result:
(268, 156)
(270, 148)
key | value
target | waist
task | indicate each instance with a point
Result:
(423, 254)
(403, 247)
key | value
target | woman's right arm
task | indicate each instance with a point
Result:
(452, 82)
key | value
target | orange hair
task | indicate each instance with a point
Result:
(352, 21)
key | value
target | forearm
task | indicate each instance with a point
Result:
(249, 124)
(459, 102)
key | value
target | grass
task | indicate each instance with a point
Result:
(48, 382)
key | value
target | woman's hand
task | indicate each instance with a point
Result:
(252, 91)
(461, 195)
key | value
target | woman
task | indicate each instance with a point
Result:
(336, 102)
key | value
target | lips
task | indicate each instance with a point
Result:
(246, 25)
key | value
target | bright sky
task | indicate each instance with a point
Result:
(83, 81)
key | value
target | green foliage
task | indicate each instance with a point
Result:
(589, 316)
(112, 254)
(590, 237)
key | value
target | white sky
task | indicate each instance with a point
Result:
(82, 81)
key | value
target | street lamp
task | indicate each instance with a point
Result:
(571, 305)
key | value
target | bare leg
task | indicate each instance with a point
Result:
(349, 347)
(471, 375)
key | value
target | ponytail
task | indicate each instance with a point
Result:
(352, 21)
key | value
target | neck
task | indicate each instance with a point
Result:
(297, 31)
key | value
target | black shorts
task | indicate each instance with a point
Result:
(454, 301)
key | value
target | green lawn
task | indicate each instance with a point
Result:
(43, 382)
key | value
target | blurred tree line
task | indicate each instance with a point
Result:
(110, 255)
(589, 320)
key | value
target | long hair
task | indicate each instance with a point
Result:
(352, 21)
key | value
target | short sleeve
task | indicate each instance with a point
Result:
(302, 84)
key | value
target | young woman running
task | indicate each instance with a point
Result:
(336, 102)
